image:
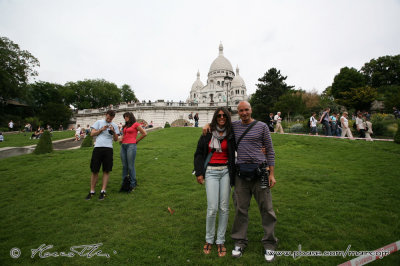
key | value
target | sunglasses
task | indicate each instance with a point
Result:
(221, 115)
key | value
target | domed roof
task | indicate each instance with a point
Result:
(221, 63)
(197, 84)
(237, 81)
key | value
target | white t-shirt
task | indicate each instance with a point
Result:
(11, 125)
(345, 123)
(104, 139)
(360, 123)
(313, 122)
(277, 118)
(78, 131)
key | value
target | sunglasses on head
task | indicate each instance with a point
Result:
(222, 115)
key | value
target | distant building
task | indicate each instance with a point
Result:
(222, 85)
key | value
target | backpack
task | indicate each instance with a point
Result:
(309, 123)
(126, 184)
(354, 125)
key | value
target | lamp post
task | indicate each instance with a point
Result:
(227, 79)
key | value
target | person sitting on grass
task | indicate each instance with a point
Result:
(37, 133)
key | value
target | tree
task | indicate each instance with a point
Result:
(359, 98)
(16, 67)
(290, 103)
(44, 145)
(272, 86)
(40, 93)
(127, 94)
(55, 114)
(384, 71)
(391, 97)
(346, 79)
(93, 93)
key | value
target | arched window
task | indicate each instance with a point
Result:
(218, 82)
(222, 84)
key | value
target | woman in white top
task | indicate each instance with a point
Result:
(345, 126)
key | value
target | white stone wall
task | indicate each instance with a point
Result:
(159, 115)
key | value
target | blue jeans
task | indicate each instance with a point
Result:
(218, 190)
(327, 128)
(128, 155)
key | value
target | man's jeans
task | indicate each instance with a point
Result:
(128, 155)
(218, 190)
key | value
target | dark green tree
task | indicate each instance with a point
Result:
(397, 135)
(384, 71)
(44, 145)
(391, 97)
(40, 93)
(346, 79)
(127, 94)
(55, 114)
(93, 93)
(290, 103)
(272, 86)
(359, 98)
(16, 67)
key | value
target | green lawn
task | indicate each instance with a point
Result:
(23, 139)
(330, 193)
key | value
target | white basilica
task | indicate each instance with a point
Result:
(222, 85)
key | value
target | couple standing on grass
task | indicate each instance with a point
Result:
(216, 166)
(107, 131)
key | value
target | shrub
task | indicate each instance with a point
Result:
(167, 125)
(298, 118)
(87, 142)
(45, 145)
(397, 136)
(297, 128)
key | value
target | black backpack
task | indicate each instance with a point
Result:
(309, 123)
(355, 125)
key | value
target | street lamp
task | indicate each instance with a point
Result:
(227, 79)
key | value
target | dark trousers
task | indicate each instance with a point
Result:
(327, 128)
(244, 190)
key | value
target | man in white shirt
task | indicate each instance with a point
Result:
(106, 131)
(278, 120)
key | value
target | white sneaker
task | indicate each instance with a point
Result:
(269, 257)
(237, 252)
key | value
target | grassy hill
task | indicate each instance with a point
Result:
(330, 193)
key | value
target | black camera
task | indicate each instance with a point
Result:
(111, 132)
(263, 173)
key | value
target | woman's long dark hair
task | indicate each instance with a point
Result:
(131, 120)
(228, 123)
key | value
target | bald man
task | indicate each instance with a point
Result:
(250, 153)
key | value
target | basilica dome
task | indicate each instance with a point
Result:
(238, 80)
(197, 84)
(221, 63)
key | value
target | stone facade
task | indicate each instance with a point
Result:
(159, 112)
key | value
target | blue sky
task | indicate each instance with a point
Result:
(157, 46)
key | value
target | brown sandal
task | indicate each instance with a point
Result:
(221, 250)
(207, 248)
